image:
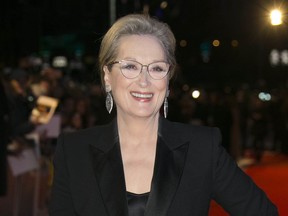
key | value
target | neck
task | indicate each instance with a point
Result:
(135, 131)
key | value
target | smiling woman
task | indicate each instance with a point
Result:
(139, 94)
(142, 164)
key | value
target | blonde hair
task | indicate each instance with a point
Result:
(136, 24)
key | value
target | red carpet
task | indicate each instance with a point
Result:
(271, 174)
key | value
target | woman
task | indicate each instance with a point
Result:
(140, 163)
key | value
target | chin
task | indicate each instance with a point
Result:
(146, 115)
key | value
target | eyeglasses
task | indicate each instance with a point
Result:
(131, 69)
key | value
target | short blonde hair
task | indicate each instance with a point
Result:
(136, 24)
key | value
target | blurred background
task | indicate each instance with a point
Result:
(232, 73)
(219, 42)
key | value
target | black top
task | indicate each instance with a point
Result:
(137, 203)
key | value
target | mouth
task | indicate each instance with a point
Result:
(142, 95)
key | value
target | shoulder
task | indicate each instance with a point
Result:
(82, 133)
(176, 133)
(89, 136)
(99, 129)
(190, 127)
(190, 131)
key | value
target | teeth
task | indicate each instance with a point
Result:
(142, 95)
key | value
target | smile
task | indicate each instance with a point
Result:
(139, 95)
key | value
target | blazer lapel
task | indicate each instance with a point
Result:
(169, 164)
(109, 172)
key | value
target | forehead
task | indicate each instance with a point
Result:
(140, 47)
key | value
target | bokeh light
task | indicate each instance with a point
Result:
(276, 17)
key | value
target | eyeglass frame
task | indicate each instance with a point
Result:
(142, 65)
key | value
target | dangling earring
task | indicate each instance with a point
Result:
(166, 104)
(109, 99)
(109, 102)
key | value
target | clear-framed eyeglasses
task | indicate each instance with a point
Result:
(131, 69)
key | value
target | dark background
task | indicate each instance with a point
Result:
(47, 28)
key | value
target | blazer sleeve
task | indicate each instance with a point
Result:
(61, 201)
(233, 189)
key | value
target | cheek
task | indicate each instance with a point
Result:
(162, 86)
(161, 89)
(120, 84)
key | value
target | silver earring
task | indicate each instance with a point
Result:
(166, 104)
(165, 107)
(109, 102)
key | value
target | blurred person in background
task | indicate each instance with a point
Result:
(259, 126)
(141, 163)
(21, 103)
(279, 117)
(75, 123)
(66, 109)
(219, 115)
(55, 79)
(97, 99)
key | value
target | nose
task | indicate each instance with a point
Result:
(144, 76)
(142, 68)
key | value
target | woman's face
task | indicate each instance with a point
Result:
(141, 96)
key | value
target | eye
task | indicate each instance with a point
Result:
(158, 68)
(130, 66)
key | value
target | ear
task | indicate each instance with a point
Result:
(106, 76)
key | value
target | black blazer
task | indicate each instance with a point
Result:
(191, 168)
